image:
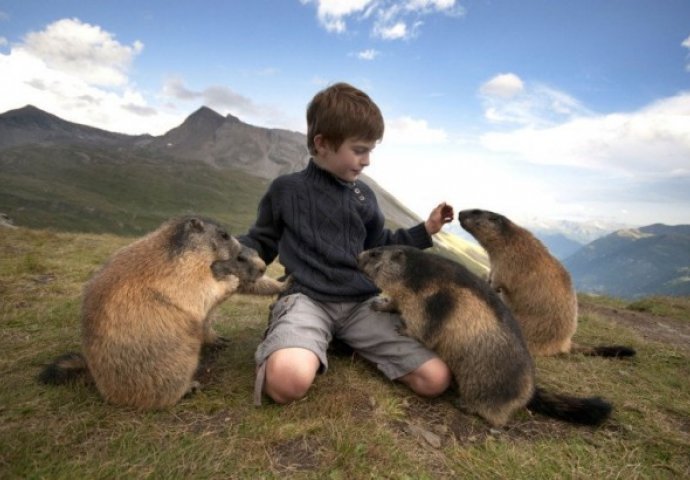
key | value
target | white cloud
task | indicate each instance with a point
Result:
(391, 19)
(82, 50)
(503, 85)
(332, 13)
(369, 54)
(508, 100)
(653, 142)
(392, 32)
(79, 72)
(407, 130)
(3, 41)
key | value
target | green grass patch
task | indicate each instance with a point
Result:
(353, 424)
(675, 307)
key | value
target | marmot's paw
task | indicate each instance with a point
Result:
(194, 387)
(384, 304)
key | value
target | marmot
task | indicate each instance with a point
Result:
(456, 314)
(145, 313)
(534, 284)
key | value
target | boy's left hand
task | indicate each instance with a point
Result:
(439, 216)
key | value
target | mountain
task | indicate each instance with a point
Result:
(67, 176)
(579, 232)
(558, 244)
(32, 126)
(209, 137)
(651, 260)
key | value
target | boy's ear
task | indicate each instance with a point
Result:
(320, 143)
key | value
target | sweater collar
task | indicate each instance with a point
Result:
(316, 172)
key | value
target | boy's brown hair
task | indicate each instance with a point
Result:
(342, 111)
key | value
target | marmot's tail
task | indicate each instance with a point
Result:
(65, 368)
(585, 411)
(614, 351)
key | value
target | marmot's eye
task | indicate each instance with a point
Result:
(224, 235)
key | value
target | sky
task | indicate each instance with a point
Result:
(537, 109)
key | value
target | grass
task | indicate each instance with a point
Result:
(353, 424)
(658, 305)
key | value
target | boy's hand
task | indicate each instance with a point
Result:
(439, 216)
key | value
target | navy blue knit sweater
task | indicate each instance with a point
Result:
(317, 225)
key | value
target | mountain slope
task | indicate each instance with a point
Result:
(207, 136)
(635, 262)
(32, 126)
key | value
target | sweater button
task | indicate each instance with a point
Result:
(361, 197)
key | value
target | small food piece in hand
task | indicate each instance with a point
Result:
(447, 213)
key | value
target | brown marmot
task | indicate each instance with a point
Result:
(145, 313)
(459, 316)
(535, 285)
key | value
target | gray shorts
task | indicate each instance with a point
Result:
(299, 321)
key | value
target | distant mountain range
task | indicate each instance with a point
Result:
(562, 237)
(67, 176)
(652, 260)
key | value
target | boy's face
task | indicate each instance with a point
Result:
(348, 161)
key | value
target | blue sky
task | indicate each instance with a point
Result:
(538, 109)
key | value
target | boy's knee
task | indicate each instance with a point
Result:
(289, 374)
(431, 379)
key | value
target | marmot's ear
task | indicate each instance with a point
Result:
(195, 225)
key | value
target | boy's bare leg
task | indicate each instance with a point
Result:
(431, 379)
(289, 374)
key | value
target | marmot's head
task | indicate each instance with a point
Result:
(385, 265)
(488, 228)
(200, 236)
(246, 265)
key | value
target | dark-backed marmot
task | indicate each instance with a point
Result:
(145, 313)
(534, 284)
(456, 314)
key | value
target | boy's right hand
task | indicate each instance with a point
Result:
(438, 217)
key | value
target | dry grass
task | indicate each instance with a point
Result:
(353, 424)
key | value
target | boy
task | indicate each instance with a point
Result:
(318, 220)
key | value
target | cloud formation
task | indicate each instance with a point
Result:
(653, 142)
(388, 19)
(410, 131)
(504, 85)
(369, 54)
(79, 72)
(507, 99)
(82, 50)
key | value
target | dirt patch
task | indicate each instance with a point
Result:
(297, 454)
(651, 327)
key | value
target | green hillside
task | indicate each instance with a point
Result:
(80, 189)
